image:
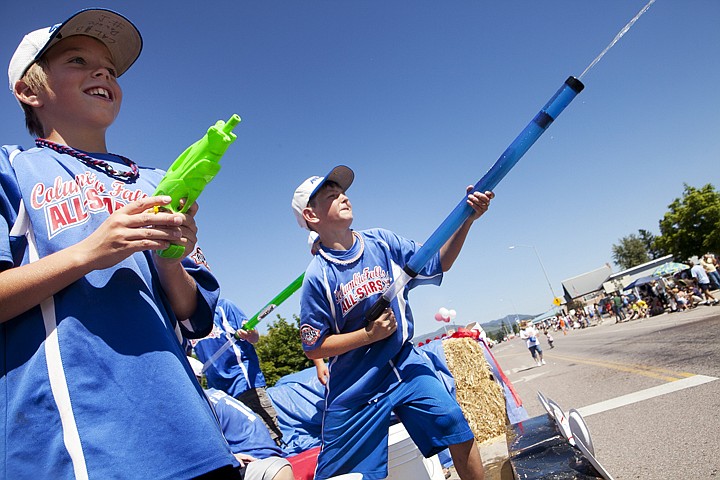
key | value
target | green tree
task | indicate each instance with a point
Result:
(505, 329)
(692, 226)
(648, 240)
(630, 251)
(280, 351)
(575, 305)
(496, 335)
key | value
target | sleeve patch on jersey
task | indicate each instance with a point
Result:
(309, 335)
(198, 257)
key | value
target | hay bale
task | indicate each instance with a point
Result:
(481, 398)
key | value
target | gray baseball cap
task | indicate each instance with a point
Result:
(119, 35)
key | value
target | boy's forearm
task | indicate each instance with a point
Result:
(340, 343)
(180, 288)
(479, 203)
(451, 250)
(24, 287)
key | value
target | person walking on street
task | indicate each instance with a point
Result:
(710, 264)
(703, 283)
(529, 333)
(618, 308)
(550, 338)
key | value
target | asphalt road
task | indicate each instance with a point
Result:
(647, 389)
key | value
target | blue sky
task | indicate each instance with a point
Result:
(419, 98)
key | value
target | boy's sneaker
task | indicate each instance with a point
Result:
(542, 362)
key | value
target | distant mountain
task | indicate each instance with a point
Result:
(493, 325)
(437, 333)
(490, 326)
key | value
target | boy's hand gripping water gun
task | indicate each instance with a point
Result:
(193, 170)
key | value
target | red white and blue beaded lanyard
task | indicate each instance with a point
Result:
(105, 167)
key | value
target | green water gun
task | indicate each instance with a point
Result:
(272, 304)
(252, 323)
(193, 170)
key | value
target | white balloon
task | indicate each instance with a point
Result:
(452, 314)
(444, 312)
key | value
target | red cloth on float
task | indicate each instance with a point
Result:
(304, 464)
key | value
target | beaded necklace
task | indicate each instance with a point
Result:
(350, 260)
(101, 165)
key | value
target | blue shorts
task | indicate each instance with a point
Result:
(356, 439)
(534, 350)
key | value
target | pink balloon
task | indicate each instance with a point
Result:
(446, 320)
(439, 317)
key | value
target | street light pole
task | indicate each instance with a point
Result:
(517, 315)
(512, 247)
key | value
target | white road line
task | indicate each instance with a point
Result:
(527, 378)
(645, 394)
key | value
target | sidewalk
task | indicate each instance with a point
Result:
(699, 309)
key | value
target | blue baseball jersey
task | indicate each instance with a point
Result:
(238, 368)
(334, 300)
(94, 381)
(243, 429)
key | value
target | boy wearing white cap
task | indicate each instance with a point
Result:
(93, 378)
(374, 368)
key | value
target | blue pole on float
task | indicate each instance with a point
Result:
(488, 182)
